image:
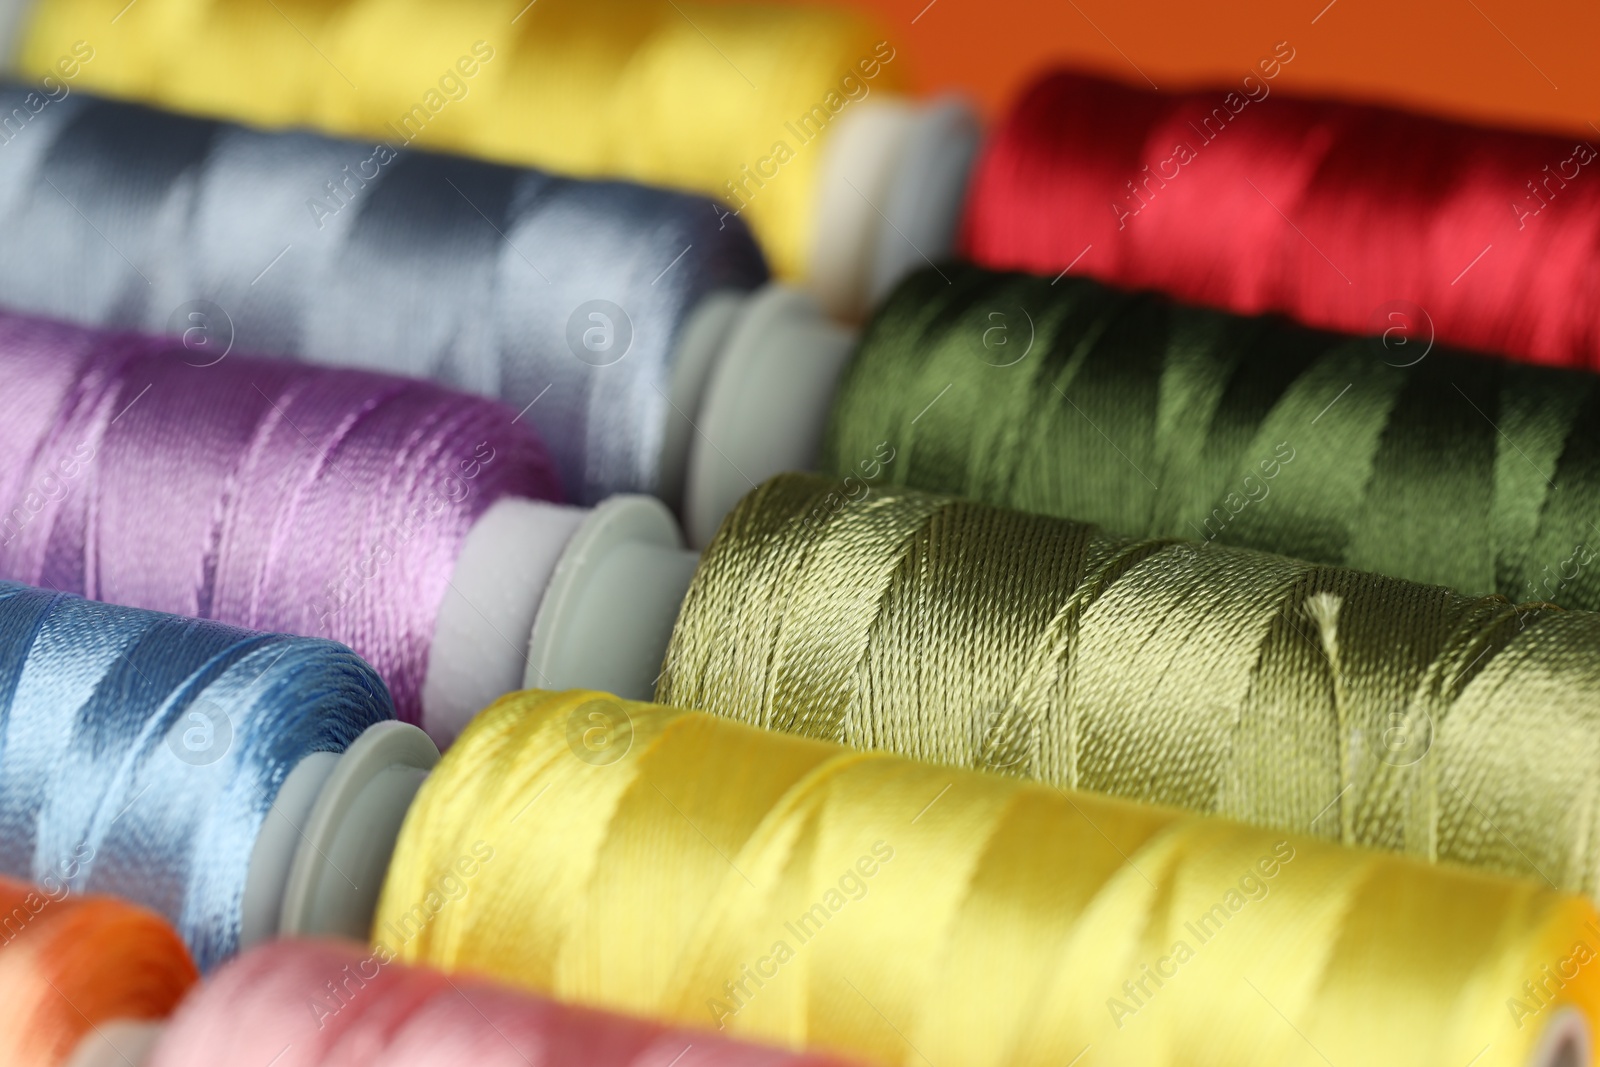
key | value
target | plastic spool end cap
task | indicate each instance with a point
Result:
(279, 840)
(1565, 1041)
(860, 159)
(117, 1043)
(333, 884)
(700, 342)
(890, 195)
(481, 632)
(611, 604)
(927, 192)
(767, 404)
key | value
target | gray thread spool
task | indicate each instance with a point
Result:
(482, 276)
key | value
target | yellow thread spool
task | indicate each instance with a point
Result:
(680, 94)
(652, 860)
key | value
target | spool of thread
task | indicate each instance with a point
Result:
(789, 115)
(602, 587)
(261, 493)
(1344, 216)
(591, 307)
(706, 873)
(71, 965)
(317, 1004)
(1311, 699)
(640, 378)
(1152, 418)
(168, 760)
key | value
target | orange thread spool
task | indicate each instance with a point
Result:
(70, 963)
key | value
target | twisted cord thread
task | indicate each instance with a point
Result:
(1316, 700)
(1157, 419)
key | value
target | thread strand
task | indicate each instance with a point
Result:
(1347, 217)
(1158, 419)
(1315, 700)
(259, 493)
(140, 753)
(715, 875)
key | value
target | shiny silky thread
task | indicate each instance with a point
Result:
(700, 871)
(70, 964)
(1158, 419)
(141, 752)
(565, 298)
(1312, 699)
(326, 1003)
(684, 95)
(261, 493)
(1335, 213)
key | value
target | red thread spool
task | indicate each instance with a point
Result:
(1343, 216)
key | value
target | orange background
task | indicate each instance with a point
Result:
(1540, 68)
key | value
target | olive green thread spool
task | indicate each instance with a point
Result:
(1152, 418)
(1366, 709)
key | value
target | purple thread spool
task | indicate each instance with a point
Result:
(265, 494)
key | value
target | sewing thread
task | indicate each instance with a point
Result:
(1311, 699)
(567, 299)
(706, 873)
(140, 753)
(70, 964)
(1345, 216)
(261, 493)
(690, 96)
(1153, 418)
(321, 1003)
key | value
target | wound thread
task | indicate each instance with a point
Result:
(567, 299)
(140, 753)
(697, 96)
(260, 493)
(1158, 419)
(713, 875)
(70, 964)
(326, 1003)
(1334, 213)
(1314, 700)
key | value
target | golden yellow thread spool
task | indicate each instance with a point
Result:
(678, 94)
(674, 864)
